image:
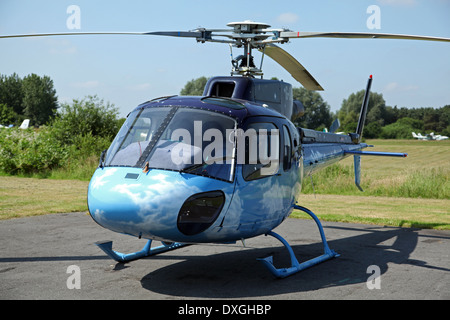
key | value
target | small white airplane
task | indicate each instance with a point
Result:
(430, 136)
(24, 125)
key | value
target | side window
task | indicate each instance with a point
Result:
(287, 149)
(296, 147)
(262, 150)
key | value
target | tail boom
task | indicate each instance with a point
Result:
(321, 149)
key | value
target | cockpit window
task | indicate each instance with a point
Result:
(262, 149)
(176, 138)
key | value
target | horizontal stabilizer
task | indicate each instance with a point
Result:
(357, 161)
(376, 153)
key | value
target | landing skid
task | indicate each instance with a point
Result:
(295, 265)
(147, 251)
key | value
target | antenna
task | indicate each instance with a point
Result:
(364, 107)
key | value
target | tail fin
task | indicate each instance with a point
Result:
(364, 107)
(357, 167)
(359, 131)
(335, 125)
(25, 124)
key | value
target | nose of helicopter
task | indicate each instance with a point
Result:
(162, 205)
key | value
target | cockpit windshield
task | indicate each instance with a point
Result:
(176, 138)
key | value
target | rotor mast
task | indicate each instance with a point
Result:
(248, 34)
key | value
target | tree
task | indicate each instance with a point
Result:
(39, 99)
(401, 129)
(194, 87)
(431, 120)
(351, 108)
(372, 130)
(11, 92)
(317, 111)
(444, 120)
(7, 114)
(89, 116)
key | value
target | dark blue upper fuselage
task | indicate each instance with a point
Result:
(235, 108)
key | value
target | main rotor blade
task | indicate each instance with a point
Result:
(357, 35)
(186, 34)
(294, 67)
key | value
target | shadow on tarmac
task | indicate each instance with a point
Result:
(239, 274)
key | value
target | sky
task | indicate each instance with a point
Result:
(129, 70)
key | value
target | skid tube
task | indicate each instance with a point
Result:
(147, 251)
(295, 265)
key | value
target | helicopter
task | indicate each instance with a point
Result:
(225, 166)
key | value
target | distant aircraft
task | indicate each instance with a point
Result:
(24, 125)
(334, 126)
(430, 136)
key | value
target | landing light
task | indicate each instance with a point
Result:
(199, 212)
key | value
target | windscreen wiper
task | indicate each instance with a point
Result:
(195, 166)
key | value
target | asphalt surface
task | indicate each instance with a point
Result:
(38, 255)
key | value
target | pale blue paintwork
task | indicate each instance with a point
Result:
(148, 206)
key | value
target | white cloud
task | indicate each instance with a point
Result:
(141, 87)
(99, 180)
(86, 84)
(395, 87)
(288, 18)
(60, 47)
(161, 195)
(399, 3)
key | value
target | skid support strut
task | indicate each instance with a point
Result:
(295, 265)
(106, 246)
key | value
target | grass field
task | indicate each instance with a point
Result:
(407, 192)
(425, 173)
(20, 197)
(387, 211)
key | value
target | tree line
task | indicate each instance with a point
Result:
(32, 97)
(389, 122)
(70, 135)
(382, 121)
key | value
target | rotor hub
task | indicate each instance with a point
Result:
(248, 26)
